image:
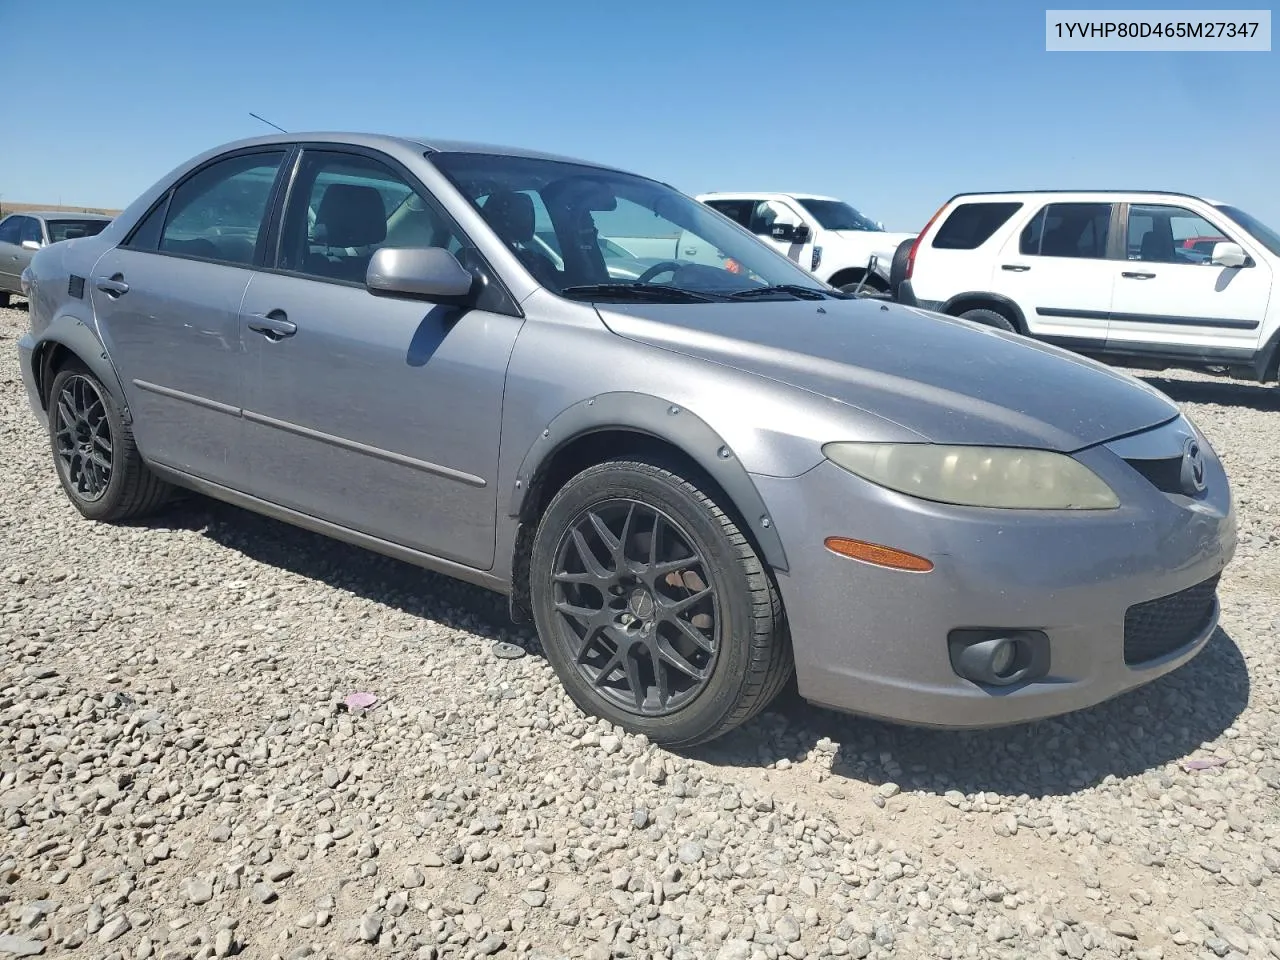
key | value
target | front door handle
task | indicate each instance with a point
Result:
(275, 326)
(113, 286)
(1014, 267)
(1138, 276)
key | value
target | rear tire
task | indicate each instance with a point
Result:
(4, 299)
(94, 453)
(989, 318)
(606, 618)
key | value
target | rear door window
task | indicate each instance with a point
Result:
(972, 224)
(1079, 230)
(11, 229)
(218, 213)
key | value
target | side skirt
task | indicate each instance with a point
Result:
(448, 568)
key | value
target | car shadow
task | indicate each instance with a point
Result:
(1228, 393)
(372, 576)
(1145, 728)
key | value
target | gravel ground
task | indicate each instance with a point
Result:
(179, 777)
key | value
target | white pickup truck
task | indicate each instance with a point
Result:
(824, 235)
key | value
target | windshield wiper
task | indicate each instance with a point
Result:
(795, 289)
(636, 291)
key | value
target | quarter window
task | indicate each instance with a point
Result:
(1159, 233)
(972, 224)
(347, 207)
(218, 213)
(1077, 230)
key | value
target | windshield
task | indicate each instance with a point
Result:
(1261, 232)
(589, 233)
(70, 229)
(837, 215)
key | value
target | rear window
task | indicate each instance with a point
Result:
(972, 224)
(70, 229)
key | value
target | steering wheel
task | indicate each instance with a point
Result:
(657, 268)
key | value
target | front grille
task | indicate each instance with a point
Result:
(1164, 473)
(1157, 627)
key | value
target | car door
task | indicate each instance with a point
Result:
(1059, 270)
(11, 251)
(30, 240)
(1167, 292)
(167, 302)
(375, 412)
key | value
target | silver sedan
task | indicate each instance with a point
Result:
(698, 476)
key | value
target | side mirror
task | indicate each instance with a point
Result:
(800, 233)
(427, 273)
(1228, 255)
(30, 244)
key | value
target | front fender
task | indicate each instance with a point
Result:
(666, 421)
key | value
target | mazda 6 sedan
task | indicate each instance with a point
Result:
(696, 478)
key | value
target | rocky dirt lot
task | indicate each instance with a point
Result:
(179, 777)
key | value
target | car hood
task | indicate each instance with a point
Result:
(944, 379)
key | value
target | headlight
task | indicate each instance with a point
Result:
(977, 476)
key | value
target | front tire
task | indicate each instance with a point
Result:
(654, 609)
(94, 454)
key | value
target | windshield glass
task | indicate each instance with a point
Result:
(578, 227)
(1261, 232)
(70, 229)
(837, 215)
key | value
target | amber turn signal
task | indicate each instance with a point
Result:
(880, 556)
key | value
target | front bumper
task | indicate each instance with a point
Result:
(873, 641)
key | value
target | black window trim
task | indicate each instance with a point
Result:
(1115, 243)
(502, 300)
(1124, 220)
(288, 149)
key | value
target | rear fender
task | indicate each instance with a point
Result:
(77, 335)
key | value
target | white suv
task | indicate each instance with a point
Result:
(824, 235)
(1147, 279)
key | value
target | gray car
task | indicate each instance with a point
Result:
(695, 482)
(22, 234)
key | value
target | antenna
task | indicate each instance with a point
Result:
(267, 122)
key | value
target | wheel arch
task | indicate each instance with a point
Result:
(981, 299)
(606, 425)
(68, 337)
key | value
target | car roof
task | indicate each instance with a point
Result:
(59, 215)
(430, 144)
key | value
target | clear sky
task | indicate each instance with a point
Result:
(892, 106)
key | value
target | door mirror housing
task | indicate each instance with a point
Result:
(425, 273)
(790, 232)
(30, 244)
(1226, 254)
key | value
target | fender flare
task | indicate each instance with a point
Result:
(72, 333)
(665, 421)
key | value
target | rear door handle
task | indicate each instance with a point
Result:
(1137, 276)
(1014, 267)
(112, 286)
(275, 326)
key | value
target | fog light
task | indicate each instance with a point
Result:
(999, 658)
(1003, 656)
